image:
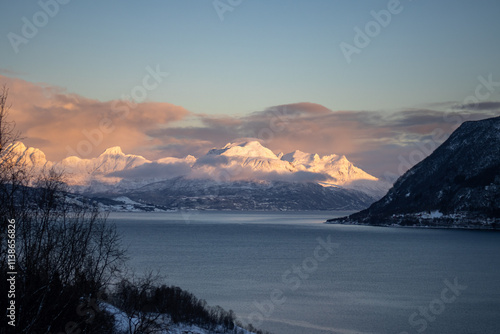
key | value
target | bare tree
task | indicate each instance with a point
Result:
(11, 175)
(133, 296)
(66, 253)
(8, 134)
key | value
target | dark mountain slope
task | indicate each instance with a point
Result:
(458, 185)
(181, 193)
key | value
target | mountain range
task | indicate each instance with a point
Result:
(243, 175)
(458, 185)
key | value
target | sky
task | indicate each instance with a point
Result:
(369, 79)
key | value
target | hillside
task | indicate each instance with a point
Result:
(458, 185)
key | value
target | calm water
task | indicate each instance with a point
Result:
(271, 268)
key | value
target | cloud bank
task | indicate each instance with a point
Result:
(379, 142)
(62, 123)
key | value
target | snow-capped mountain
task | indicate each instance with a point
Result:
(245, 149)
(84, 171)
(236, 167)
(30, 157)
(247, 154)
(340, 171)
(328, 171)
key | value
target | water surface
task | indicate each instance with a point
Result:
(378, 280)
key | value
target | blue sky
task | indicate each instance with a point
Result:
(263, 53)
(230, 78)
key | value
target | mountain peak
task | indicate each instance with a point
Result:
(298, 157)
(116, 150)
(245, 148)
(18, 147)
(342, 159)
(244, 143)
(30, 155)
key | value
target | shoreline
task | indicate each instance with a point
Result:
(437, 227)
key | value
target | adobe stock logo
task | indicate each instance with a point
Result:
(221, 7)
(291, 280)
(120, 110)
(373, 28)
(30, 28)
(421, 320)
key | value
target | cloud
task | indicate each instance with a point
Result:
(376, 141)
(57, 121)
(300, 176)
(212, 160)
(6, 71)
(480, 106)
(62, 124)
(154, 170)
(213, 169)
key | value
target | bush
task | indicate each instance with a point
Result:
(180, 305)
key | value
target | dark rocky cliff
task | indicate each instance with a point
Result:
(458, 185)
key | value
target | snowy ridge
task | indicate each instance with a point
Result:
(336, 171)
(341, 172)
(81, 171)
(246, 154)
(248, 149)
(30, 157)
(242, 160)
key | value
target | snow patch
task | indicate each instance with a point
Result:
(126, 324)
(126, 200)
(432, 214)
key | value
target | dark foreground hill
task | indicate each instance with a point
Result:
(458, 185)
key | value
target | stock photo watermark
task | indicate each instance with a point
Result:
(30, 27)
(223, 6)
(291, 280)
(280, 116)
(363, 37)
(120, 109)
(11, 265)
(482, 92)
(87, 310)
(425, 315)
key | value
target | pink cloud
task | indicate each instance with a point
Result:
(376, 141)
(55, 120)
(62, 123)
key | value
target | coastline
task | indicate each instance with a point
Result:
(490, 224)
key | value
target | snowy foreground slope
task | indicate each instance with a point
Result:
(125, 324)
(240, 176)
(458, 185)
